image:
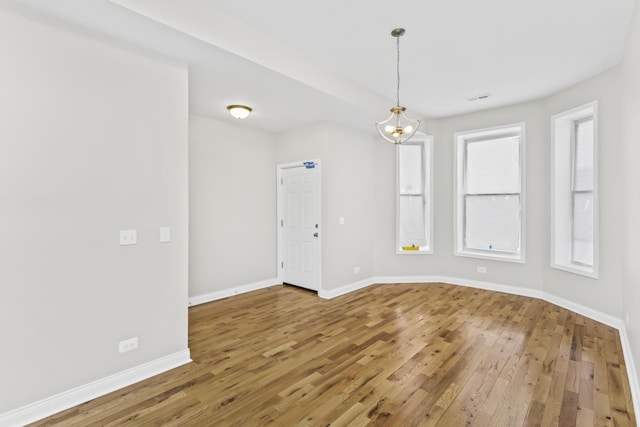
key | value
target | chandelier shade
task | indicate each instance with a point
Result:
(397, 128)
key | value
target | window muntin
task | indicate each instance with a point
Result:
(413, 204)
(489, 200)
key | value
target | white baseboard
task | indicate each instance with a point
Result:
(632, 373)
(225, 293)
(332, 293)
(508, 289)
(76, 396)
(604, 318)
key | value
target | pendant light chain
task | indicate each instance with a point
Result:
(398, 71)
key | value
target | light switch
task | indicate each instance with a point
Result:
(165, 234)
(341, 220)
(128, 237)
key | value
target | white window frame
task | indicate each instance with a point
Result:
(426, 142)
(562, 191)
(461, 139)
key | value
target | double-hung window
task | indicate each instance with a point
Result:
(489, 199)
(413, 203)
(574, 206)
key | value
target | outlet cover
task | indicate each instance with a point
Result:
(482, 269)
(128, 237)
(128, 345)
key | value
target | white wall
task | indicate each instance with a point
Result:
(93, 140)
(631, 167)
(604, 294)
(362, 175)
(232, 206)
(442, 262)
(347, 176)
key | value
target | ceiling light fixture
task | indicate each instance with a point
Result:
(398, 128)
(239, 111)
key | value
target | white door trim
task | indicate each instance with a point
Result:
(280, 168)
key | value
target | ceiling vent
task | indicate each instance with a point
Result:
(480, 97)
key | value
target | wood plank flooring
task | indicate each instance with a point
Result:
(388, 355)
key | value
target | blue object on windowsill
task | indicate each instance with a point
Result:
(309, 165)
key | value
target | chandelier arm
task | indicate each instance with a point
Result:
(385, 120)
(382, 132)
(413, 132)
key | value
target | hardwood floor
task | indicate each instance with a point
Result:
(394, 355)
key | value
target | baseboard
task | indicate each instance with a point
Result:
(509, 289)
(225, 293)
(632, 373)
(76, 396)
(333, 293)
(596, 315)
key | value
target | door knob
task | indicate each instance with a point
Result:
(315, 234)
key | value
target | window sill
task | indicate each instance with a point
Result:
(416, 252)
(495, 256)
(577, 269)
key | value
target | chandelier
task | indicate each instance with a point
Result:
(398, 128)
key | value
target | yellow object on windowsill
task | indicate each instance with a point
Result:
(410, 248)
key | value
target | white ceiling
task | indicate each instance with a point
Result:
(299, 62)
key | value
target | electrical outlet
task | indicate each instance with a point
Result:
(356, 270)
(482, 269)
(128, 345)
(128, 237)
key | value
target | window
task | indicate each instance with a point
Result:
(574, 237)
(413, 204)
(489, 199)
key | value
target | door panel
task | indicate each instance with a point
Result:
(300, 226)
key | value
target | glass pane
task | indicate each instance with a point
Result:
(410, 169)
(583, 161)
(411, 220)
(493, 166)
(583, 228)
(492, 223)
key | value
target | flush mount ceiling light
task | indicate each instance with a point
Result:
(239, 111)
(398, 128)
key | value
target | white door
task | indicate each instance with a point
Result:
(299, 193)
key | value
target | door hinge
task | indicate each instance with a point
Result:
(281, 181)
(282, 264)
(281, 223)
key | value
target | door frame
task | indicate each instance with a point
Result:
(280, 168)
